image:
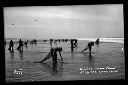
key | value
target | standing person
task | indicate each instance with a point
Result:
(11, 44)
(89, 46)
(72, 45)
(51, 40)
(20, 47)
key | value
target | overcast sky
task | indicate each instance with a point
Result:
(76, 21)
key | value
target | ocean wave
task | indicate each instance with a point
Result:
(116, 40)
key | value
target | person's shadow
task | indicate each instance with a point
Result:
(12, 57)
(12, 60)
(21, 54)
(57, 69)
(12, 54)
(54, 68)
(90, 55)
(91, 60)
(72, 55)
(21, 59)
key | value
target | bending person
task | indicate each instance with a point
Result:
(53, 54)
(97, 42)
(89, 46)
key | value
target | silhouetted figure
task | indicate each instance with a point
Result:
(59, 49)
(75, 43)
(97, 42)
(72, 45)
(51, 40)
(20, 47)
(26, 43)
(11, 44)
(53, 54)
(31, 42)
(55, 42)
(89, 46)
(35, 41)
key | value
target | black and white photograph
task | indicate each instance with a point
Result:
(65, 42)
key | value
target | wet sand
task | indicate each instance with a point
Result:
(106, 55)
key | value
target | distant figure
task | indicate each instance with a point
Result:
(89, 46)
(20, 47)
(72, 45)
(51, 40)
(55, 42)
(31, 42)
(97, 42)
(11, 44)
(35, 41)
(26, 43)
(75, 43)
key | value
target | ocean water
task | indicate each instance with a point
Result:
(104, 63)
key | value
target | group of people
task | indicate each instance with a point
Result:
(20, 47)
(53, 51)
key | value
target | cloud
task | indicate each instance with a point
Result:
(76, 12)
(51, 13)
(84, 20)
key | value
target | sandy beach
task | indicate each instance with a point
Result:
(105, 62)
